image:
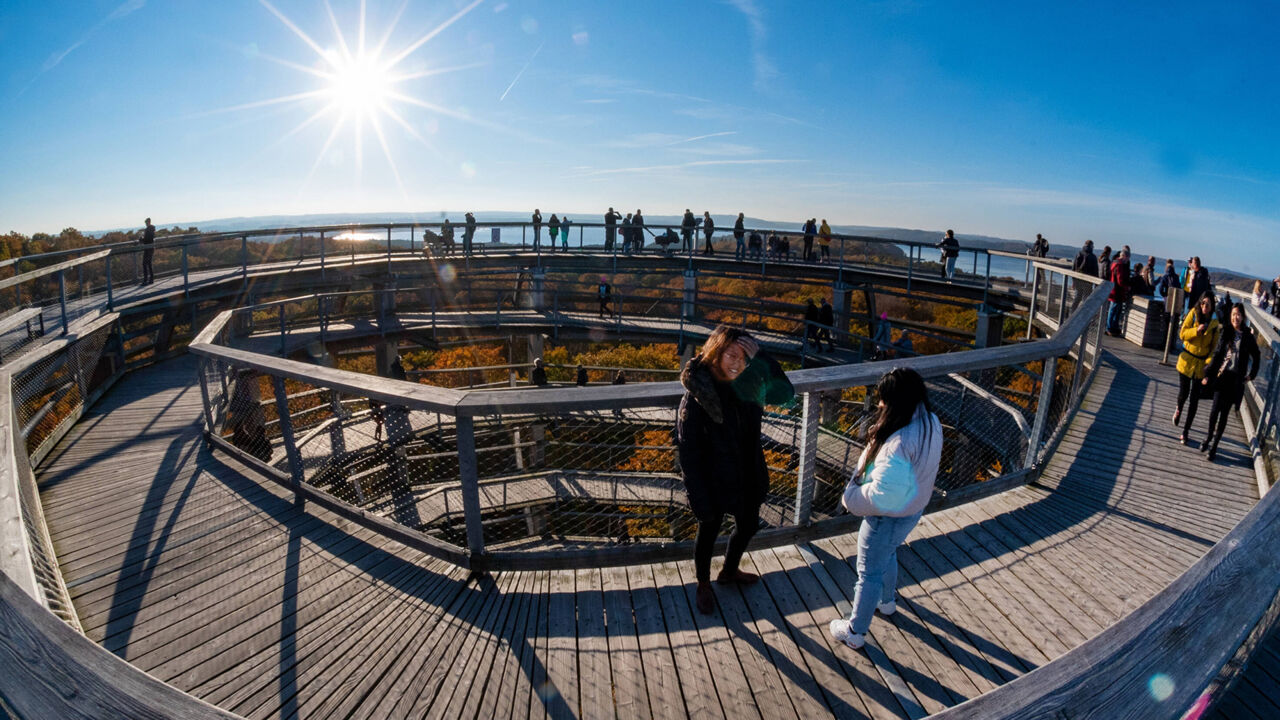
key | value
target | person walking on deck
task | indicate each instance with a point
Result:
(950, 248)
(604, 293)
(611, 219)
(537, 228)
(708, 228)
(826, 318)
(721, 457)
(892, 484)
(1237, 360)
(824, 240)
(739, 238)
(148, 243)
(1200, 335)
(811, 326)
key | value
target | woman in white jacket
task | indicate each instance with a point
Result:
(890, 489)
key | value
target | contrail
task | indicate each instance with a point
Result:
(526, 67)
(703, 137)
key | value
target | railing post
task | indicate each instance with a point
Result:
(469, 476)
(110, 295)
(186, 272)
(805, 473)
(62, 299)
(203, 367)
(244, 258)
(1042, 410)
(986, 285)
(322, 258)
(286, 434)
(282, 329)
(911, 261)
(1031, 314)
(1062, 301)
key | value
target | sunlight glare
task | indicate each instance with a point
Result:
(359, 86)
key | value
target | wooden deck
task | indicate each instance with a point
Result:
(181, 562)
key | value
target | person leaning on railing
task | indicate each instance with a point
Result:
(892, 484)
(721, 456)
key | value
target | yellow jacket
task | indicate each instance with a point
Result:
(1197, 349)
(824, 234)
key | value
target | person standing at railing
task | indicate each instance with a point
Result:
(950, 248)
(537, 228)
(1140, 283)
(739, 238)
(637, 231)
(611, 219)
(626, 234)
(1261, 298)
(708, 228)
(892, 484)
(468, 234)
(1120, 289)
(564, 233)
(1200, 335)
(824, 240)
(1169, 282)
(721, 456)
(553, 230)
(148, 243)
(755, 245)
(1275, 296)
(810, 230)
(581, 376)
(1227, 374)
(446, 237)
(1104, 263)
(1040, 248)
(687, 225)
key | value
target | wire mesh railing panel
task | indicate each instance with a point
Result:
(54, 388)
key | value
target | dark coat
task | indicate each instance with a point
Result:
(1199, 284)
(1230, 385)
(718, 436)
(1086, 262)
(950, 247)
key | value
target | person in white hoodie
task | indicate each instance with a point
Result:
(890, 489)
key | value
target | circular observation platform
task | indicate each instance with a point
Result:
(260, 597)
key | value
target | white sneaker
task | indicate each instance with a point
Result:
(840, 631)
(887, 608)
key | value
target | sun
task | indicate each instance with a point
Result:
(360, 84)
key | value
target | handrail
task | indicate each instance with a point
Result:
(51, 269)
(1166, 657)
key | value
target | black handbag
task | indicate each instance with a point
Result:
(1206, 390)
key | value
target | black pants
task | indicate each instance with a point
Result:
(1229, 389)
(709, 250)
(604, 306)
(745, 526)
(147, 274)
(808, 249)
(686, 240)
(1187, 389)
(610, 237)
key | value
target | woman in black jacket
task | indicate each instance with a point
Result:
(721, 458)
(1237, 351)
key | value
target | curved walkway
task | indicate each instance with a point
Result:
(181, 562)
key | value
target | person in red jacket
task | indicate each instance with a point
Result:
(1119, 292)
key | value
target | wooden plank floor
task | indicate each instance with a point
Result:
(181, 562)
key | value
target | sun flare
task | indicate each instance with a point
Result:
(361, 86)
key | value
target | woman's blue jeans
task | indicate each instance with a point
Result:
(878, 541)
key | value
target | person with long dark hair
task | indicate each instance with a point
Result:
(1236, 360)
(1200, 335)
(892, 484)
(721, 457)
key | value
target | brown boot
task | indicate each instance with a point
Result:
(705, 598)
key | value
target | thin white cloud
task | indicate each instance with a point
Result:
(125, 8)
(765, 70)
(722, 150)
(704, 137)
(685, 166)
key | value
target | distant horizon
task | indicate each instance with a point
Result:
(229, 223)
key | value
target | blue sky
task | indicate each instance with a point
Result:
(1151, 124)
